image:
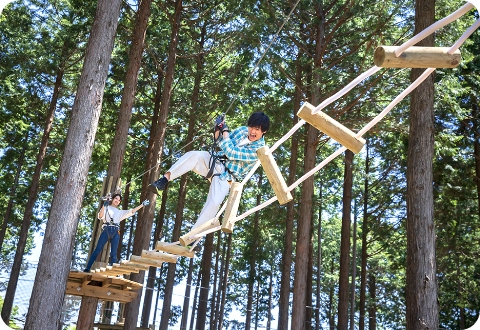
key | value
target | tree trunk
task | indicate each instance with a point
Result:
(372, 309)
(152, 271)
(225, 282)
(144, 226)
(54, 264)
(345, 243)
(308, 306)
(363, 271)
(204, 286)
(215, 291)
(354, 272)
(319, 258)
(286, 266)
(195, 301)
(22, 240)
(253, 261)
(421, 281)
(303, 237)
(476, 148)
(9, 209)
(117, 153)
(270, 299)
(331, 316)
(186, 299)
(125, 201)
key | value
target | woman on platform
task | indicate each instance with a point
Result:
(111, 217)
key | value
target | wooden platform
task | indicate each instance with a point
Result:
(110, 288)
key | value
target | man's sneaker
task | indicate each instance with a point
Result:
(158, 185)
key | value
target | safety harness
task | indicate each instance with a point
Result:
(215, 157)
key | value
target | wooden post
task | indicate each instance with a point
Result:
(416, 57)
(274, 176)
(232, 207)
(331, 127)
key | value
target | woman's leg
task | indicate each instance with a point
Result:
(114, 239)
(100, 244)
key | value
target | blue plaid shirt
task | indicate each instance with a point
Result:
(240, 159)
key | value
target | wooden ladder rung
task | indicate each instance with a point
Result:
(331, 127)
(416, 57)
(232, 207)
(274, 176)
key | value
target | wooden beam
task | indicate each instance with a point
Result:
(331, 127)
(232, 207)
(416, 57)
(174, 249)
(109, 294)
(107, 282)
(274, 175)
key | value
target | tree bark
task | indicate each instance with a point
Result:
(354, 272)
(253, 262)
(319, 257)
(224, 282)
(144, 226)
(421, 281)
(54, 264)
(345, 243)
(363, 271)
(204, 286)
(303, 236)
(284, 299)
(22, 240)
(13, 190)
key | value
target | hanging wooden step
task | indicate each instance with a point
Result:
(158, 257)
(416, 57)
(174, 249)
(157, 261)
(232, 207)
(274, 176)
(331, 127)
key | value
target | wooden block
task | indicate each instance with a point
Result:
(331, 127)
(416, 57)
(232, 207)
(274, 176)
(174, 249)
(106, 283)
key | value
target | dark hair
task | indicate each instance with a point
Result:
(115, 195)
(259, 119)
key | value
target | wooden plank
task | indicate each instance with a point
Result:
(174, 249)
(331, 127)
(232, 207)
(77, 277)
(109, 294)
(156, 259)
(416, 57)
(135, 265)
(274, 175)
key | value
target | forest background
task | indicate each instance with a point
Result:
(217, 48)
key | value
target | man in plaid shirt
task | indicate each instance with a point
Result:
(238, 155)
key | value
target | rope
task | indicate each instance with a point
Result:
(236, 95)
(372, 123)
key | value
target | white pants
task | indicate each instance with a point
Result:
(198, 161)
